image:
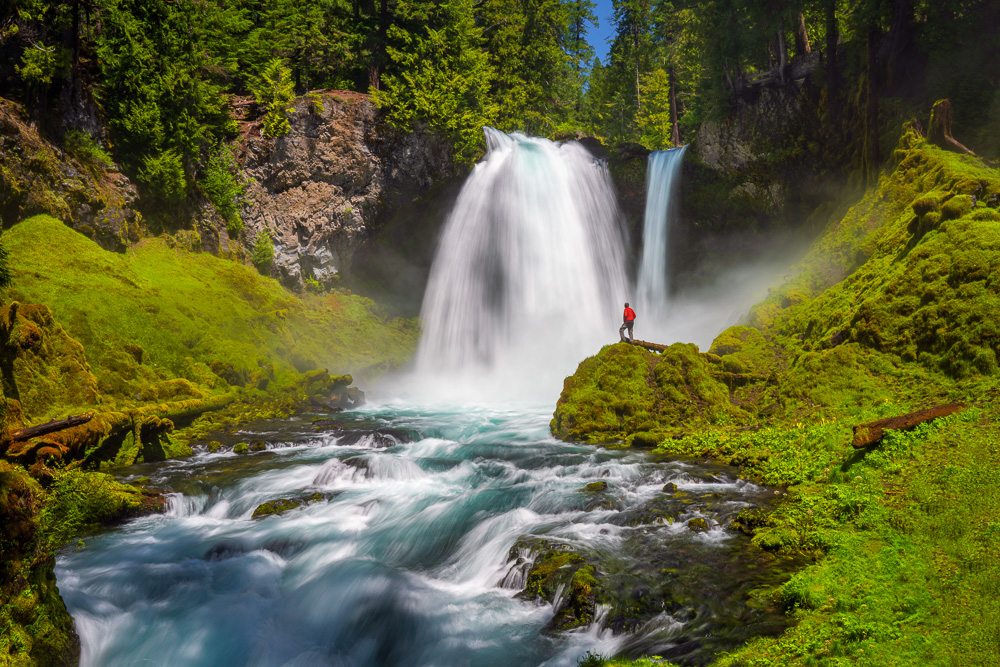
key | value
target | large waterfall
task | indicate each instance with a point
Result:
(529, 277)
(662, 178)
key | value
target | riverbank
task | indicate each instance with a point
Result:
(160, 344)
(889, 313)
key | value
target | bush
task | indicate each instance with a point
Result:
(164, 175)
(221, 184)
(275, 90)
(262, 253)
(83, 146)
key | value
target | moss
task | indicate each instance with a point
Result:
(214, 446)
(697, 525)
(241, 448)
(275, 507)
(957, 207)
(595, 487)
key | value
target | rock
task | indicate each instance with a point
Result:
(595, 487)
(319, 190)
(214, 446)
(698, 525)
(276, 507)
(39, 177)
(670, 487)
(257, 446)
(240, 448)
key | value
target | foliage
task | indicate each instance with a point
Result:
(442, 75)
(6, 275)
(262, 254)
(88, 151)
(164, 175)
(275, 90)
(653, 119)
(221, 183)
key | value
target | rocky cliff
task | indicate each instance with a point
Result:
(322, 190)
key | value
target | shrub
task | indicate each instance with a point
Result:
(83, 146)
(262, 253)
(275, 90)
(164, 175)
(221, 184)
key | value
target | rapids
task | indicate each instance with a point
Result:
(407, 559)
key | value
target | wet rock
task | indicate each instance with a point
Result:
(670, 487)
(378, 438)
(698, 525)
(240, 448)
(595, 487)
(279, 506)
(257, 446)
(214, 446)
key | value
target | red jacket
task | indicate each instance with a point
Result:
(629, 314)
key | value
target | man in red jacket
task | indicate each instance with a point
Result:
(628, 318)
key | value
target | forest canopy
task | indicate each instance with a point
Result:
(163, 73)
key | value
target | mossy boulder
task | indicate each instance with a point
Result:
(241, 448)
(276, 507)
(555, 570)
(625, 391)
(596, 487)
(697, 524)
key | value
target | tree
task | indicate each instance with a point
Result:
(440, 74)
(275, 90)
(653, 120)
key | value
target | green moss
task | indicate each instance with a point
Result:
(275, 507)
(241, 448)
(166, 314)
(595, 487)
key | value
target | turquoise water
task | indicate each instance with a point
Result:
(406, 559)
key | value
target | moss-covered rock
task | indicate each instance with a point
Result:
(241, 448)
(596, 487)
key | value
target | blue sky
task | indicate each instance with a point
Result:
(599, 36)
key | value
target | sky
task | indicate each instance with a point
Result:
(600, 35)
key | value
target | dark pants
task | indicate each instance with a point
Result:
(626, 325)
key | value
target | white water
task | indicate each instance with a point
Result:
(529, 276)
(653, 286)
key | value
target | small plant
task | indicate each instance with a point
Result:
(262, 253)
(164, 175)
(313, 285)
(275, 90)
(222, 185)
(6, 275)
(83, 146)
(315, 101)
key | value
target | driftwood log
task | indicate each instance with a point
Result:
(652, 347)
(866, 435)
(23, 434)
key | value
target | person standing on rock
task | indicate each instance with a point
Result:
(628, 318)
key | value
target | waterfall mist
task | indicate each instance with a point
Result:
(529, 276)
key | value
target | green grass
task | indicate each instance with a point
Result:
(158, 313)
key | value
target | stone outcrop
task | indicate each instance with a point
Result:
(77, 186)
(320, 190)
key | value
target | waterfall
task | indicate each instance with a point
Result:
(662, 177)
(529, 274)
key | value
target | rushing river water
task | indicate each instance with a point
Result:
(403, 554)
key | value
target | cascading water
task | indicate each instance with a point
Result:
(653, 285)
(529, 274)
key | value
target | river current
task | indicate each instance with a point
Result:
(405, 553)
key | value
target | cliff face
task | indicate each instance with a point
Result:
(322, 190)
(77, 183)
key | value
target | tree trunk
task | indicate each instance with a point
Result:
(939, 130)
(832, 69)
(782, 56)
(871, 116)
(899, 51)
(801, 36)
(675, 130)
(871, 433)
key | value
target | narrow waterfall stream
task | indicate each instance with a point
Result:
(653, 286)
(416, 531)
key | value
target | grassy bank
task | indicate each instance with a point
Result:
(893, 310)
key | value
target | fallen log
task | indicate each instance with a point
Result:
(23, 434)
(866, 435)
(652, 347)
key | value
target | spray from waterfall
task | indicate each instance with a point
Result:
(653, 286)
(529, 275)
